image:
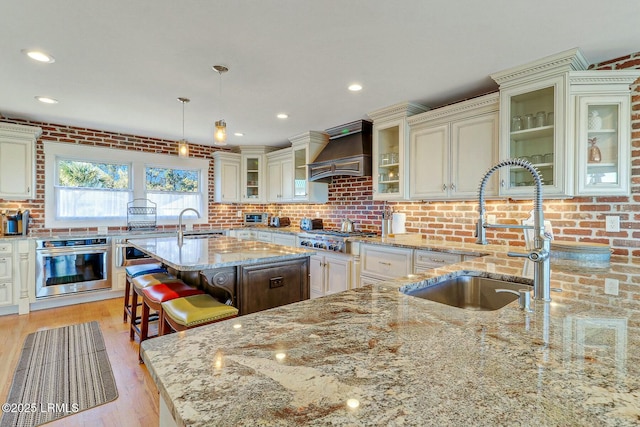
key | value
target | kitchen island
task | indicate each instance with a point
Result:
(254, 276)
(375, 356)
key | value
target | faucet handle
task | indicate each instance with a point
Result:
(524, 297)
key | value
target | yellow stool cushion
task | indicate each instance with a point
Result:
(152, 279)
(196, 309)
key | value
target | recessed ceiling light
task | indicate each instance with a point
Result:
(355, 87)
(239, 134)
(282, 116)
(46, 100)
(39, 56)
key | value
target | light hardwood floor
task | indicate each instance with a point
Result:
(137, 402)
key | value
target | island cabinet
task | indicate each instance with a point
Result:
(450, 149)
(390, 136)
(329, 274)
(270, 285)
(17, 161)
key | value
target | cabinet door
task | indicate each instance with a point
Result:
(540, 142)
(6, 294)
(230, 181)
(603, 145)
(252, 184)
(429, 163)
(386, 262)
(388, 160)
(337, 274)
(474, 149)
(5, 268)
(274, 173)
(300, 182)
(16, 169)
(316, 276)
(287, 180)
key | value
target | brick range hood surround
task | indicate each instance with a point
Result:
(348, 153)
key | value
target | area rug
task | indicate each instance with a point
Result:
(61, 372)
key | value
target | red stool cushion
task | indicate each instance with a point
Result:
(168, 291)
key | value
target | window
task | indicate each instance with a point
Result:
(91, 186)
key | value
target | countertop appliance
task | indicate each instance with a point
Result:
(309, 224)
(255, 218)
(70, 266)
(329, 240)
(279, 221)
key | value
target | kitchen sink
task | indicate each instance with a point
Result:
(468, 291)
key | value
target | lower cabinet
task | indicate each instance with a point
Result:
(270, 285)
(424, 260)
(329, 274)
(284, 239)
(384, 262)
(6, 276)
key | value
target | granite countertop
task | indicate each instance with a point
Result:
(209, 252)
(407, 361)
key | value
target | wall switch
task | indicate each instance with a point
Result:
(612, 224)
(239, 214)
(611, 286)
(317, 214)
(491, 219)
(103, 230)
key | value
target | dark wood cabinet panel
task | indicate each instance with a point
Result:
(265, 286)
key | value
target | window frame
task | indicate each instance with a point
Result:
(138, 162)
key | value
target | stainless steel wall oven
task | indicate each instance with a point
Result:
(66, 267)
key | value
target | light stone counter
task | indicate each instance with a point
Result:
(409, 361)
(210, 252)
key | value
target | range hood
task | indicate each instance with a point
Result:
(348, 153)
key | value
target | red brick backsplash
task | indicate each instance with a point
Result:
(577, 219)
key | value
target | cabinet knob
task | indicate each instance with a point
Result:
(502, 183)
(444, 187)
(453, 187)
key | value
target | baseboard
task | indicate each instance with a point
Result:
(62, 301)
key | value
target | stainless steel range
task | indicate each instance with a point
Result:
(329, 240)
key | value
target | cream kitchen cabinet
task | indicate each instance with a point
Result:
(227, 177)
(305, 148)
(451, 148)
(602, 131)
(244, 234)
(6, 274)
(284, 239)
(535, 115)
(253, 186)
(329, 274)
(17, 161)
(390, 135)
(384, 262)
(280, 176)
(425, 260)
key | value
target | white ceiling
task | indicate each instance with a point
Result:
(121, 64)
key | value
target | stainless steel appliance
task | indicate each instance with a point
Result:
(279, 221)
(329, 240)
(66, 267)
(309, 224)
(254, 218)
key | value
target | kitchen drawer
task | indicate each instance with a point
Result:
(264, 236)
(284, 239)
(6, 293)
(246, 234)
(433, 259)
(386, 262)
(5, 248)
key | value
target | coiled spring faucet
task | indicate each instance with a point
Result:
(542, 245)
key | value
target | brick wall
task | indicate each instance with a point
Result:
(577, 219)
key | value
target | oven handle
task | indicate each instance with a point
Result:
(74, 250)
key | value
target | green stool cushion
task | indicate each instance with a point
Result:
(194, 310)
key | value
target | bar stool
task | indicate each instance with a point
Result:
(189, 312)
(153, 296)
(134, 271)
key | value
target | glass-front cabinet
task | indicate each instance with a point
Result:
(535, 131)
(388, 160)
(252, 178)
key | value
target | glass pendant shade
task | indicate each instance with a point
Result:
(221, 132)
(183, 148)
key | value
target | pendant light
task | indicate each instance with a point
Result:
(220, 134)
(183, 146)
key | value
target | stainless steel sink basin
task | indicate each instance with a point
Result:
(469, 292)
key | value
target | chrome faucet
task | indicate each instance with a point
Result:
(180, 231)
(542, 245)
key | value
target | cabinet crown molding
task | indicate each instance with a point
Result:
(569, 60)
(402, 109)
(19, 131)
(312, 136)
(612, 78)
(479, 105)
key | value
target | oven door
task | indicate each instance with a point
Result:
(69, 270)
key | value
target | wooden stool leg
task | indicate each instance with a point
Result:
(127, 295)
(134, 314)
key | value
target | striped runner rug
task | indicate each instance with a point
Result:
(61, 372)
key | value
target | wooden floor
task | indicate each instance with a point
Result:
(137, 402)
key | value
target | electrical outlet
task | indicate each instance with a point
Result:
(611, 286)
(188, 226)
(103, 230)
(239, 214)
(317, 214)
(491, 219)
(612, 224)
(491, 267)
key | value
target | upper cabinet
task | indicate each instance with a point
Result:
(305, 148)
(227, 177)
(280, 176)
(450, 149)
(534, 113)
(390, 136)
(602, 131)
(17, 161)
